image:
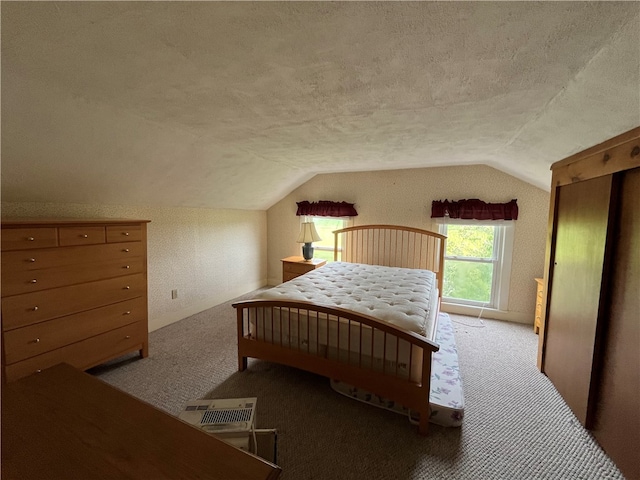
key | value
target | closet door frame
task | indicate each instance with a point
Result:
(606, 159)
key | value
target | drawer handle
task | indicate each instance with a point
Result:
(126, 250)
(128, 312)
(127, 337)
(38, 371)
(126, 266)
(31, 239)
(34, 281)
(126, 234)
(32, 260)
(35, 308)
(36, 340)
(85, 236)
(127, 287)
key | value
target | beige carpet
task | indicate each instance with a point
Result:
(516, 426)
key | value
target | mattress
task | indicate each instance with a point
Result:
(406, 298)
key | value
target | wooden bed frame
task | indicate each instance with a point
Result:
(387, 245)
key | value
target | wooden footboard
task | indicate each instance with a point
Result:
(344, 345)
(340, 344)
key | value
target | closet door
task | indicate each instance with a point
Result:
(581, 229)
(617, 424)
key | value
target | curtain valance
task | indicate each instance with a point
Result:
(475, 209)
(325, 208)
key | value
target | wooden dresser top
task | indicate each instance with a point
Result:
(20, 222)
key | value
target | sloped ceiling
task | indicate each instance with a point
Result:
(235, 104)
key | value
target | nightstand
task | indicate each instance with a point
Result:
(293, 267)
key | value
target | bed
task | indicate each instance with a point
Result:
(368, 321)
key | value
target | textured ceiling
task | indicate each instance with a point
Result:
(235, 104)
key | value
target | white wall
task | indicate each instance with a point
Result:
(209, 256)
(403, 197)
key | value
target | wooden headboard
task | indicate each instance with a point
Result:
(392, 246)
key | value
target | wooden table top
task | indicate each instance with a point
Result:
(66, 424)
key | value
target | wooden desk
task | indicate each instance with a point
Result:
(63, 424)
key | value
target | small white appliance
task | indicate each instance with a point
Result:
(230, 419)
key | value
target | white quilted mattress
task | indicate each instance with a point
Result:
(403, 297)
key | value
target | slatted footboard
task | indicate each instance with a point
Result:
(340, 344)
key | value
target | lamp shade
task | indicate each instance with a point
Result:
(308, 233)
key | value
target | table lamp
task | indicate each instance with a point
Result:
(308, 234)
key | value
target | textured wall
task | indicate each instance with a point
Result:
(403, 197)
(210, 256)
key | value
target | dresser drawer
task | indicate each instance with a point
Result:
(18, 282)
(286, 276)
(124, 233)
(21, 260)
(29, 237)
(297, 268)
(84, 354)
(81, 235)
(26, 342)
(30, 308)
(293, 267)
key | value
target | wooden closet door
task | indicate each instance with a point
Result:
(582, 213)
(617, 424)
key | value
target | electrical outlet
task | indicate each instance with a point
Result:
(174, 294)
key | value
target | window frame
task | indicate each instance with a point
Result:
(501, 260)
(346, 222)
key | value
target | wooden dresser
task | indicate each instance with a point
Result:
(73, 291)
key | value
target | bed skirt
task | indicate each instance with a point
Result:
(446, 399)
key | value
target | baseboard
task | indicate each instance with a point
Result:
(509, 316)
(160, 321)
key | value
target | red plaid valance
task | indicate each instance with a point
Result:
(475, 209)
(324, 208)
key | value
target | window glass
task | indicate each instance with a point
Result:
(325, 227)
(477, 264)
(468, 281)
(470, 241)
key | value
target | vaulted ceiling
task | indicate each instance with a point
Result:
(235, 104)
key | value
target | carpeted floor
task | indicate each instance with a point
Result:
(516, 425)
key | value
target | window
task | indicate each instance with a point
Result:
(325, 227)
(477, 262)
